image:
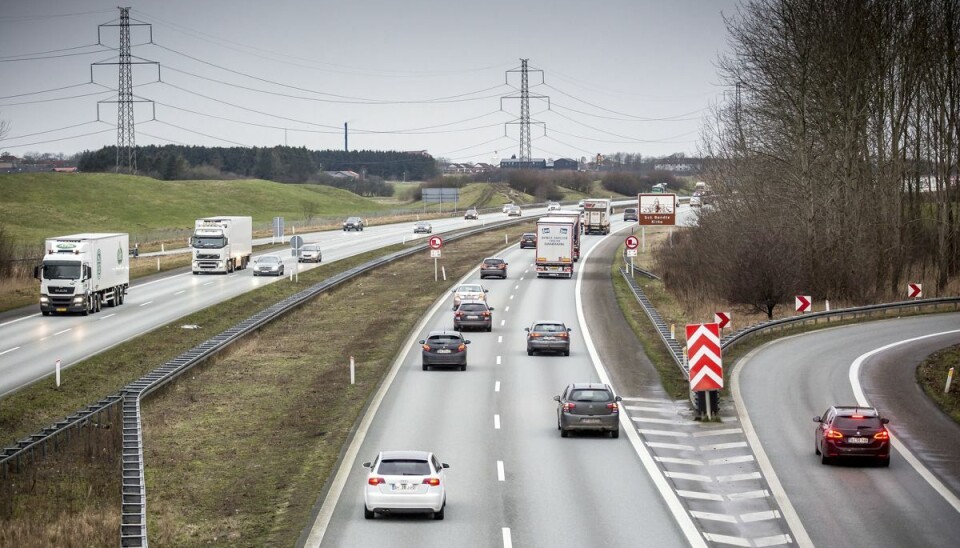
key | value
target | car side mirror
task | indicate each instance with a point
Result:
(527, 329)
(556, 398)
(367, 464)
(491, 308)
(486, 291)
(569, 330)
(618, 398)
(444, 465)
(885, 421)
(817, 419)
(423, 341)
(466, 342)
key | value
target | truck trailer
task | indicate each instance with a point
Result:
(222, 244)
(576, 218)
(555, 246)
(83, 272)
(596, 216)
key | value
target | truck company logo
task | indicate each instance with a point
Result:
(546, 230)
(120, 254)
(563, 231)
(66, 246)
(99, 262)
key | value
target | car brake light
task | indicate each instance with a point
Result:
(376, 481)
(856, 416)
(426, 347)
(882, 435)
(535, 335)
(569, 405)
(461, 348)
(613, 407)
(431, 481)
(833, 434)
(562, 335)
(458, 314)
(486, 314)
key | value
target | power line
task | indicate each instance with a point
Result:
(51, 100)
(46, 90)
(24, 136)
(200, 133)
(39, 53)
(54, 16)
(477, 145)
(111, 128)
(678, 118)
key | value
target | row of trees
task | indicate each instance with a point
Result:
(281, 164)
(631, 183)
(835, 157)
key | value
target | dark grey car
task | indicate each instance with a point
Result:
(630, 214)
(473, 314)
(548, 336)
(353, 223)
(444, 348)
(588, 406)
(493, 266)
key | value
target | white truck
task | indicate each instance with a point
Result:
(222, 244)
(555, 246)
(83, 272)
(596, 216)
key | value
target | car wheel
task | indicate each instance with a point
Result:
(463, 367)
(529, 352)
(566, 352)
(824, 459)
(489, 328)
(615, 434)
(439, 515)
(884, 463)
(816, 449)
(564, 433)
(425, 366)
(367, 514)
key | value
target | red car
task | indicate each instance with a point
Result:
(851, 431)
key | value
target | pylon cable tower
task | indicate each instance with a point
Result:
(126, 136)
(524, 120)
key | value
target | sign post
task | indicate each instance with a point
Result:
(631, 243)
(706, 367)
(296, 242)
(436, 244)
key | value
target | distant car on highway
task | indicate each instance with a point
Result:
(405, 482)
(422, 227)
(310, 253)
(528, 239)
(514, 211)
(548, 336)
(268, 265)
(588, 406)
(468, 292)
(493, 266)
(630, 214)
(471, 214)
(444, 348)
(553, 206)
(473, 314)
(353, 223)
(506, 207)
(851, 431)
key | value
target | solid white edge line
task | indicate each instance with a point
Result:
(332, 498)
(108, 316)
(790, 514)
(9, 350)
(683, 519)
(19, 319)
(854, 374)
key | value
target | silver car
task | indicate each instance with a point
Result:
(405, 482)
(548, 336)
(310, 253)
(588, 406)
(468, 292)
(268, 265)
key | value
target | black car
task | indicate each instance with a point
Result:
(471, 214)
(630, 214)
(353, 223)
(852, 431)
(528, 239)
(444, 348)
(588, 406)
(548, 336)
(473, 314)
(493, 266)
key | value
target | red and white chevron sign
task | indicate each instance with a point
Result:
(721, 319)
(803, 303)
(914, 291)
(703, 347)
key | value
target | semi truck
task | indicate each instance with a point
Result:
(222, 244)
(576, 219)
(83, 272)
(596, 216)
(555, 246)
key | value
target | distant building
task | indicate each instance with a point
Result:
(514, 163)
(65, 169)
(566, 163)
(343, 174)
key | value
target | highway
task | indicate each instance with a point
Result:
(30, 344)
(786, 383)
(585, 490)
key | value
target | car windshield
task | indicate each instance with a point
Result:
(529, 235)
(404, 468)
(269, 260)
(493, 261)
(470, 289)
(353, 220)
(857, 422)
(310, 248)
(61, 271)
(590, 395)
(444, 339)
(472, 307)
(208, 242)
(628, 210)
(550, 328)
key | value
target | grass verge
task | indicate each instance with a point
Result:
(237, 450)
(932, 376)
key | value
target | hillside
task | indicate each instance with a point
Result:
(38, 205)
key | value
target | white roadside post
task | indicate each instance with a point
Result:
(352, 376)
(946, 389)
(158, 263)
(58, 374)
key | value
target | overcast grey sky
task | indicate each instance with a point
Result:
(622, 75)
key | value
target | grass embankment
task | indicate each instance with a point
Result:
(932, 376)
(236, 451)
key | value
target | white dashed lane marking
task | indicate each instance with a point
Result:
(146, 303)
(739, 477)
(676, 446)
(108, 316)
(496, 386)
(507, 542)
(498, 360)
(9, 350)
(500, 475)
(499, 338)
(496, 422)
(722, 432)
(727, 518)
(673, 460)
(700, 495)
(181, 291)
(61, 332)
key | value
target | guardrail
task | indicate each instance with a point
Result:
(133, 525)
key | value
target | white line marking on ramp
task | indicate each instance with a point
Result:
(9, 350)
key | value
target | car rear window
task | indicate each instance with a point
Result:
(851, 422)
(492, 261)
(444, 339)
(549, 327)
(590, 395)
(404, 468)
(472, 307)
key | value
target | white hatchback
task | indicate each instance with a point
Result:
(405, 482)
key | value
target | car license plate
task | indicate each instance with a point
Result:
(858, 441)
(404, 486)
(590, 421)
(473, 317)
(443, 351)
(549, 338)
(61, 310)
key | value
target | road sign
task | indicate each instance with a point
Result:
(915, 291)
(803, 303)
(722, 319)
(632, 242)
(296, 242)
(435, 242)
(703, 347)
(631, 253)
(435, 253)
(657, 209)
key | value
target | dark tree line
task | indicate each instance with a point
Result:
(834, 159)
(631, 183)
(281, 164)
